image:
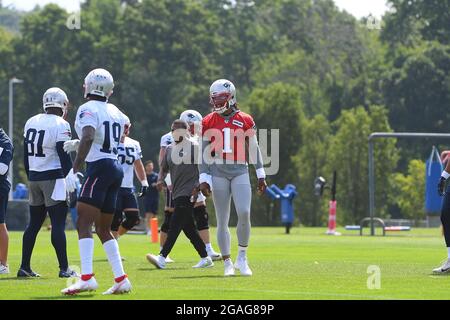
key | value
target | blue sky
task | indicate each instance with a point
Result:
(359, 8)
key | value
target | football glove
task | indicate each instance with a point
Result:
(72, 180)
(71, 145)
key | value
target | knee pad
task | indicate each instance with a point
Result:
(201, 218)
(131, 219)
(166, 224)
(117, 221)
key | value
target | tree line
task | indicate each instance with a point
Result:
(321, 76)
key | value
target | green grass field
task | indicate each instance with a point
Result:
(306, 264)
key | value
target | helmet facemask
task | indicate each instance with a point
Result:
(220, 101)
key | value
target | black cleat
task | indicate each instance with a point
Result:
(27, 274)
(69, 273)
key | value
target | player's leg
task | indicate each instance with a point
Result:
(4, 238)
(38, 214)
(118, 215)
(37, 217)
(222, 201)
(242, 198)
(165, 230)
(58, 215)
(110, 244)
(445, 219)
(131, 212)
(177, 222)
(131, 220)
(191, 232)
(201, 218)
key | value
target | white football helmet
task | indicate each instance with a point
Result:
(55, 98)
(222, 95)
(193, 118)
(98, 82)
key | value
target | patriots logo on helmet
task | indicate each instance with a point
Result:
(226, 84)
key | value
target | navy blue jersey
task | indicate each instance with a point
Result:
(152, 192)
(6, 155)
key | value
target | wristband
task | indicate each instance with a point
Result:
(261, 173)
(445, 175)
(144, 183)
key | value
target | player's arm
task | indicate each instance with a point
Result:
(444, 176)
(205, 179)
(26, 163)
(64, 134)
(142, 176)
(6, 155)
(255, 157)
(164, 170)
(87, 138)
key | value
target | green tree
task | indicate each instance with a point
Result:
(409, 192)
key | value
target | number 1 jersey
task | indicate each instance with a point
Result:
(108, 122)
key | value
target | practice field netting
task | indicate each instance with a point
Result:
(307, 264)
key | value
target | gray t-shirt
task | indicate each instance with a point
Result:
(180, 162)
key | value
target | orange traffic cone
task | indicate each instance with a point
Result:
(154, 229)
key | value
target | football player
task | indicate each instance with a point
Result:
(100, 125)
(185, 191)
(46, 165)
(228, 135)
(166, 141)
(194, 119)
(130, 155)
(445, 211)
(6, 155)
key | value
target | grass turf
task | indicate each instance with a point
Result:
(307, 264)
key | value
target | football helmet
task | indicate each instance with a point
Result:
(193, 118)
(98, 82)
(55, 98)
(222, 95)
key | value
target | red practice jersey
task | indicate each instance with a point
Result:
(228, 134)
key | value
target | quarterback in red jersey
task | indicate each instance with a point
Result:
(229, 144)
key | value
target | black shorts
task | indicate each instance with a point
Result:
(126, 199)
(102, 184)
(151, 205)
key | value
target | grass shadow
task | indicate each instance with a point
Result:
(63, 297)
(202, 276)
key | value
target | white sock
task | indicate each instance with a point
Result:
(208, 247)
(160, 248)
(86, 255)
(112, 252)
(242, 251)
(448, 252)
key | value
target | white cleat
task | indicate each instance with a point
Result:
(229, 268)
(242, 265)
(81, 286)
(169, 260)
(121, 287)
(4, 269)
(214, 255)
(445, 268)
(158, 261)
(204, 263)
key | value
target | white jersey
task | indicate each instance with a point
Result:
(129, 152)
(41, 134)
(166, 140)
(108, 122)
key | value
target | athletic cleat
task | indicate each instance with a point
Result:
(4, 269)
(81, 286)
(242, 265)
(22, 273)
(158, 261)
(445, 268)
(169, 260)
(68, 274)
(229, 267)
(121, 287)
(214, 255)
(204, 263)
